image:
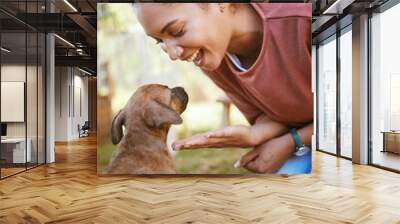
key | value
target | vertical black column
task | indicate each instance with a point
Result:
(25, 86)
(1, 163)
(316, 98)
(37, 89)
(338, 73)
(369, 95)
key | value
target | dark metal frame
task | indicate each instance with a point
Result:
(44, 77)
(338, 98)
(339, 32)
(317, 87)
(0, 88)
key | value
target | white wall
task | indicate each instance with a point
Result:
(16, 73)
(71, 93)
(61, 103)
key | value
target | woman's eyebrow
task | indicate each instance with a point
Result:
(168, 24)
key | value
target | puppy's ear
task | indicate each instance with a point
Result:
(116, 127)
(156, 114)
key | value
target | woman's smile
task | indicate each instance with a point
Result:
(196, 58)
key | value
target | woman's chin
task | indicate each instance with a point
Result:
(210, 66)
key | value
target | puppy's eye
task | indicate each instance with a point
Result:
(158, 41)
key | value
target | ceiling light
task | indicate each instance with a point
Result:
(338, 6)
(64, 40)
(84, 71)
(71, 6)
(5, 50)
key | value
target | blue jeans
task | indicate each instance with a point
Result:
(297, 165)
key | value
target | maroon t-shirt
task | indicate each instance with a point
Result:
(278, 84)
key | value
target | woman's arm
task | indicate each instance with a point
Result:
(271, 155)
(235, 136)
(265, 129)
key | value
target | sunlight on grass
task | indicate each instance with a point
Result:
(198, 161)
(209, 161)
(104, 153)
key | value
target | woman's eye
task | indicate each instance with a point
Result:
(179, 33)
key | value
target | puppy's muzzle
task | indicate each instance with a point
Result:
(182, 96)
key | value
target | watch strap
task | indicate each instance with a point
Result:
(296, 138)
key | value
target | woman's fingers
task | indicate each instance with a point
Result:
(246, 158)
(229, 132)
(216, 135)
(194, 142)
(226, 137)
(252, 166)
(203, 142)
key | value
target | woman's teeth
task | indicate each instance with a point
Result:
(198, 58)
(193, 56)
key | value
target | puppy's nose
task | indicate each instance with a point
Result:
(182, 96)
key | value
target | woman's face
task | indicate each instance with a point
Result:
(195, 32)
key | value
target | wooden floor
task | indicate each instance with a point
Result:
(387, 159)
(10, 171)
(70, 191)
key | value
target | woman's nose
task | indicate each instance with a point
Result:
(174, 51)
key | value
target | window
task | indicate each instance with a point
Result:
(327, 95)
(385, 88)
(346, 93)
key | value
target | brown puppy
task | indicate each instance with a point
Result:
(147, 118)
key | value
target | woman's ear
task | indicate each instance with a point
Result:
(204, 6)
(232, 7)
(222, 7)
(227, 7)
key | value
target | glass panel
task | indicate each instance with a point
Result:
(386, 89)
(23, 84)
(327, 96)
(32, 86)
(13, 85)
(346, 94)
(31, 97)
(41, 98)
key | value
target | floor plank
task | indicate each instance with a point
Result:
(69, 191)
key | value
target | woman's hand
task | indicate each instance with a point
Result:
(235, 136)
(269, 156)
(230, 136)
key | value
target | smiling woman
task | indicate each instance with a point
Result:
(179, 29)
(260, 56)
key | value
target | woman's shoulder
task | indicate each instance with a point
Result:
(283, 10)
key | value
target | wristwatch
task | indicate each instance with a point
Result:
(300, 149)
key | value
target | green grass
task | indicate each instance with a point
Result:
(209, 161)
(104, 153)
(196, 161)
